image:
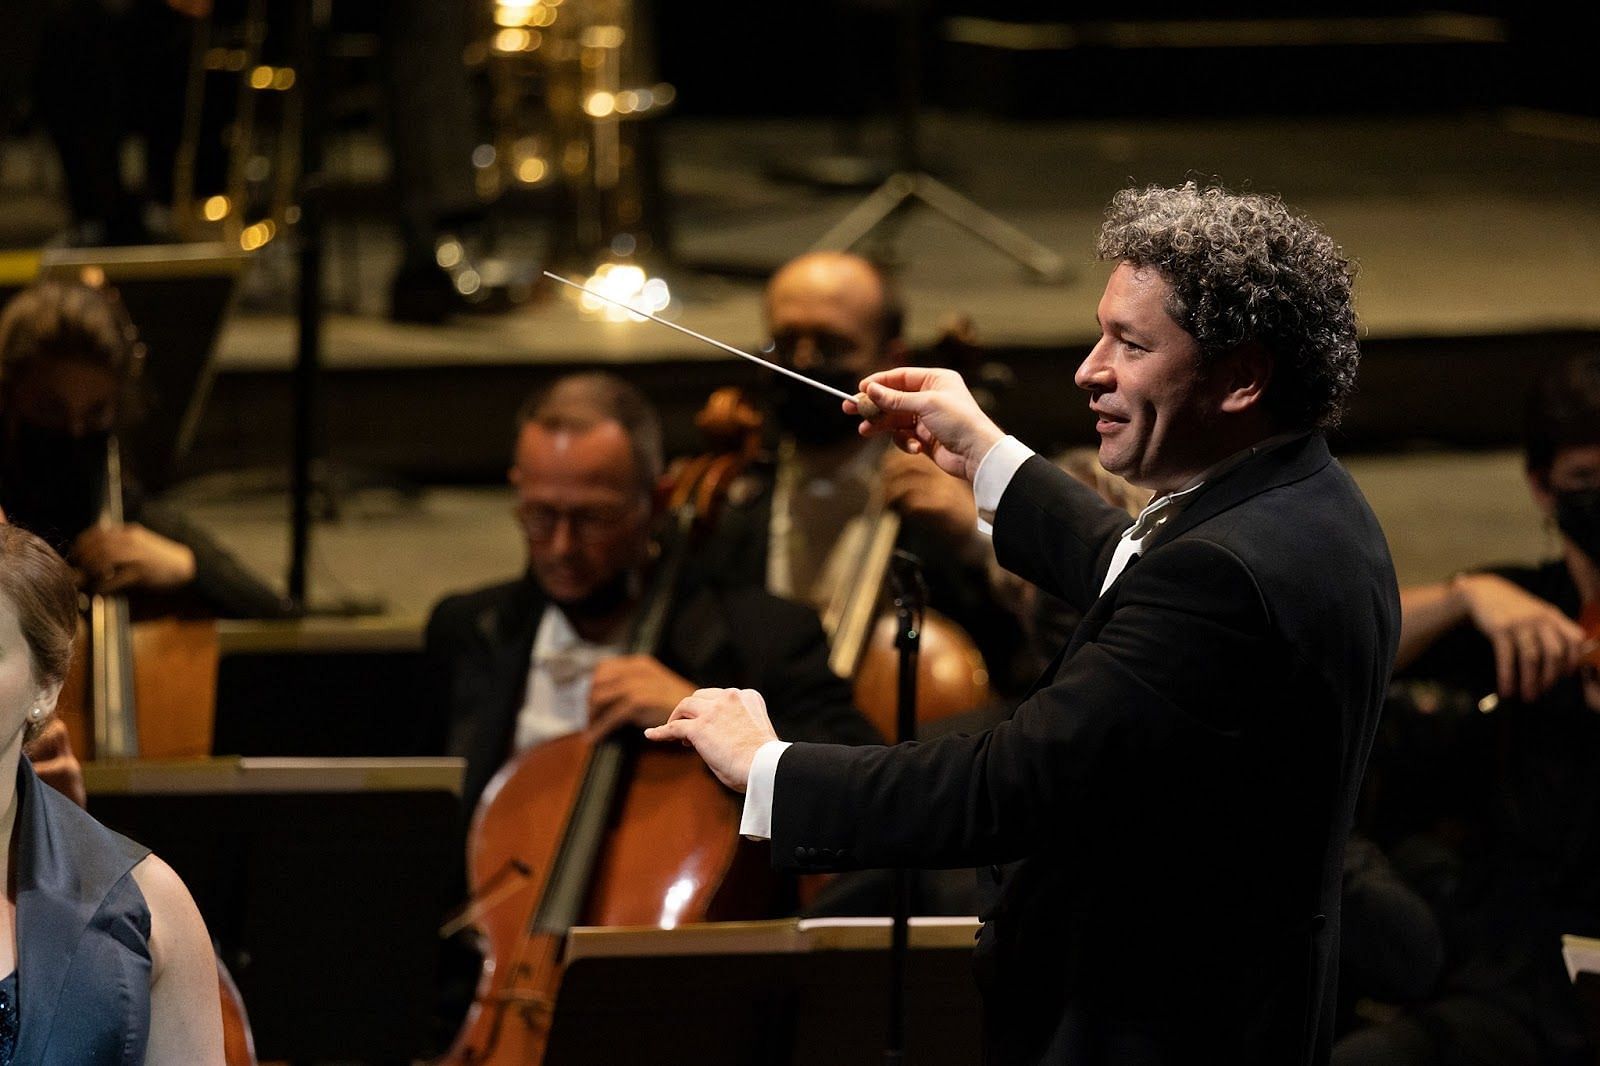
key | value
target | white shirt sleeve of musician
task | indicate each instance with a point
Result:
(995, 472)
(757, 821)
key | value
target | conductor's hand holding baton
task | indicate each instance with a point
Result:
(929, 412)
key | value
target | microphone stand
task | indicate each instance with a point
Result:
(311, 41)
(910, 597)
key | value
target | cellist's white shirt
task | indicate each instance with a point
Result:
(560, 670)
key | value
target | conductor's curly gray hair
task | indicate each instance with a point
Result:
(1243, 269)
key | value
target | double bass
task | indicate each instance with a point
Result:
(602, 832)
(115, 664)
(139, 690)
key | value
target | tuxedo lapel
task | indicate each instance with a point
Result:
(1289, 462)
(1294, 460)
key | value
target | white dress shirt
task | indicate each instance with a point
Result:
(559, 673)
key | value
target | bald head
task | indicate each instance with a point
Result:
(834, 310)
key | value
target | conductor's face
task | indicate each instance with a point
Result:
(1154, 411)
(581, 508)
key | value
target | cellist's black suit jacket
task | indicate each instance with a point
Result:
(1171, 803)
(479, 643)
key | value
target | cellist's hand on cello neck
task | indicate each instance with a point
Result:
(726, 726)
(633, 690)
(930, 412)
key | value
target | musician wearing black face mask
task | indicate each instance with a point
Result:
(1498, 812)
(69, 365)
(833, 317)
(799, 523)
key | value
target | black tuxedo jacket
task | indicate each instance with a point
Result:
(1170, 805)
(479, 644)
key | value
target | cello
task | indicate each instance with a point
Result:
(605, 832)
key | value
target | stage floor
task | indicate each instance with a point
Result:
(1474, 224)
(1468, 224)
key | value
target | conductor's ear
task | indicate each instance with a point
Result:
(1243, 377)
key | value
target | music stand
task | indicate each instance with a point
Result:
(780, 993)
(322, 880)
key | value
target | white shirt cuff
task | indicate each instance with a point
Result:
(995, 472)
(756, 824)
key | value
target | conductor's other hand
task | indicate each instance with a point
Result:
(931, 412)
(726, 726)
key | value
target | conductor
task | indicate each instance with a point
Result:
(1159, 826)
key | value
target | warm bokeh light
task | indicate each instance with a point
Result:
(600, 104)
(215, 209)
(631, 285)
(449, 253)
(514, 13)
(257, 235)
(512, 41)
(602, 37)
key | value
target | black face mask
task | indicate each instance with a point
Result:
(606, 599)
(1578, 516)
(52, 482)
(810, 415)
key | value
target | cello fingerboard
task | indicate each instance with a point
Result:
(568, 887)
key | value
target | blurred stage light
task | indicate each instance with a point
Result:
(512, 41)
(631, 285)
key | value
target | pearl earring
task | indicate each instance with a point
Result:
(36, 714)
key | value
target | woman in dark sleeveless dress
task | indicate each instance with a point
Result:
(105, 958)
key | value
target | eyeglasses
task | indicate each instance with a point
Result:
(826, 346)
(587, 525)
